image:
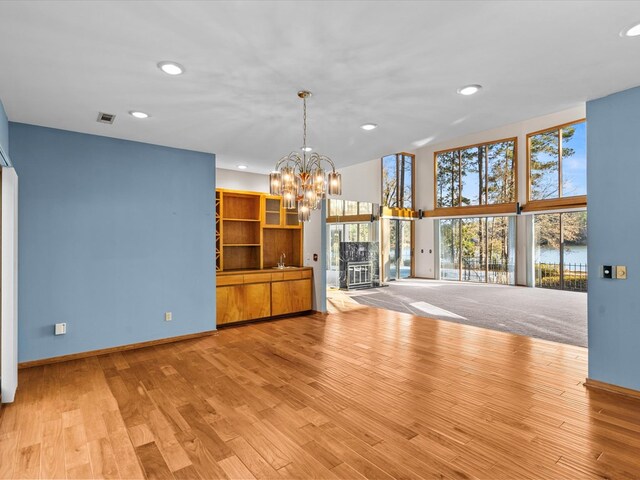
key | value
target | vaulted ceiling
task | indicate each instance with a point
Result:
(397, 64)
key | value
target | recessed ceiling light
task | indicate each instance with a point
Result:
(137, 114)
(242, 167)
(632, 31)
(306, 149)
(469, 89)
(369, 126)
(171, 68)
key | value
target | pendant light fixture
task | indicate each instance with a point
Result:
(301, 179)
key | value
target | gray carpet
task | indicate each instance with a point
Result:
(553, 315)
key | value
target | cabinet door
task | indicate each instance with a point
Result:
(229, 304)
(290, 297)
(272, 211)
(257, 301)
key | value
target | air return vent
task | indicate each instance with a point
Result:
(106, 118)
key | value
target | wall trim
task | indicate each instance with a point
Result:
(611, 388)
(120, 348)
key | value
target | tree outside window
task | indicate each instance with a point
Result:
(478, 175)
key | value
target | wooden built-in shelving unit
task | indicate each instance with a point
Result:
(253, 230)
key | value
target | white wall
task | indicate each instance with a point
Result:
(362, 182)
(9, 294)
(239, 180)
(425, 262)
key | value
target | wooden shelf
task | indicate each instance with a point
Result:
(240, 220)
(240, 244)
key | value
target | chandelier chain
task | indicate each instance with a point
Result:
(304, 121)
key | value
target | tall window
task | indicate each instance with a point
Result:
(478, 175)
(557, 164)
(397, 180)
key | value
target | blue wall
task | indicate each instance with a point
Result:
(113, 233)
(613, 149)
(4, 129)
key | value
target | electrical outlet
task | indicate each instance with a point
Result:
(168, 316)
(61, 329)
(621, 272)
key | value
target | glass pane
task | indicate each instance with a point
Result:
(547, 250)
(543, 151)
(449, 251)
(405, 249)
(501, 179)
(472, 173)
(363, 232)
(389, 181)
(392, 274)
(574, 160)
(474, 256)
(336, 208)
(574, 235)
(351, 232)
(500, 263)
(334, 247)
(365, 208)
(405, 186)
(448, 180)
(350, 208)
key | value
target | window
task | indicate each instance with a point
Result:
(348, 208)
(336, 208)
(476, 176)
(397, 180)
(478, 249)
(557, 164)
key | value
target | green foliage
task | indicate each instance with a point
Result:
(493, 165)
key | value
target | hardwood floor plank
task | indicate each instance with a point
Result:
(235, 469)
(103, 462)
(152, 462)
(28, 464)
(360, 394)
(52, 455)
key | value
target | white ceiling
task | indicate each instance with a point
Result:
(397, 64)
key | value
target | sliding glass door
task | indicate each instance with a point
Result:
(478, 249)
(561, 251)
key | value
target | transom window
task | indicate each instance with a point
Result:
(476, 175)
(342, 208)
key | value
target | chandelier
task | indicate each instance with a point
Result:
(300, 179)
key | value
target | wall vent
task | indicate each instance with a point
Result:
(106, 117)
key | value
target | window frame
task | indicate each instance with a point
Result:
(576, 201)
(472, 210)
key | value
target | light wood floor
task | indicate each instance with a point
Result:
(364, 393)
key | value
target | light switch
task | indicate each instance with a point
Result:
(61, 329)
(621, 272)
(607, 271)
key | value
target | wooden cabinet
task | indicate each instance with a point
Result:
(250, 295)
(276, 216)
(237, 303)
(290, 296)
